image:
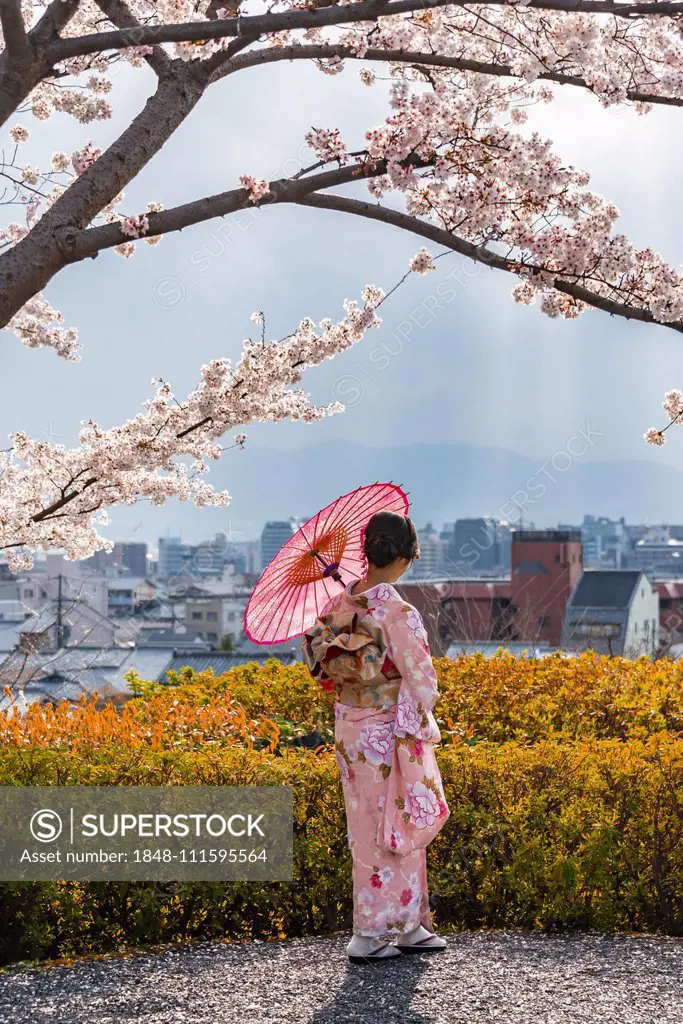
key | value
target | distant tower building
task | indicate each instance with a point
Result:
(132, 556)
(504, 534)
(274, 535)
(430, 563)
(248, 556)
(447, 532)
(173, 556)
(476, 547)
(546, 566)
(605, 542)
(211, 556)
(99, 562)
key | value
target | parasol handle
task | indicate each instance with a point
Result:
(331, 569)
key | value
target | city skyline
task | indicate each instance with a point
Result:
(442, 480)
(480, 543)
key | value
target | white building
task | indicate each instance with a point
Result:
(658, 553)
(13, 615)
(433, 549)
(613, 612)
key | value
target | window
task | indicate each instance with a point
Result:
(231, 617)
(595, 629)
(531, 567)
(196, 616)
(635, 627)
(213, 637)
(212, 616)
(544, 622)
(28, 592)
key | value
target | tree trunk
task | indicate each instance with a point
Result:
(34, 261)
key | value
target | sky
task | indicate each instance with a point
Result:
(481, 370)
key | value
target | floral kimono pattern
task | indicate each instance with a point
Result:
(371, 650)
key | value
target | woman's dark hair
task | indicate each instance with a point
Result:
(390, 535)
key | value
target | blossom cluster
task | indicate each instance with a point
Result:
(134, 227)
(673, 407)
(256, 187)
(422, 262)
(328, 144)
(53, 496)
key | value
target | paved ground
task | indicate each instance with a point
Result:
(510, 977)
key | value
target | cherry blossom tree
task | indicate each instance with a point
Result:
(452, 163)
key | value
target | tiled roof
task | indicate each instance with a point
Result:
(71, 672)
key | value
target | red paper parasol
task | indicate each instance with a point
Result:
(320, 559)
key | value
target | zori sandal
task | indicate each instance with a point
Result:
(430, 944)
(376, 954)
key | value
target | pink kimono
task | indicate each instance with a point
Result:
(372, 651)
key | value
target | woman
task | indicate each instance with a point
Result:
(370, 648)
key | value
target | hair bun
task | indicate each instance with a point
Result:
(388, 536)
(381, 549)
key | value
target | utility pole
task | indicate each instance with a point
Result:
(60, 626)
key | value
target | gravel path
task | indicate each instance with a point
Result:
(512, 977)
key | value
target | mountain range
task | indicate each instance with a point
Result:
(445, 482)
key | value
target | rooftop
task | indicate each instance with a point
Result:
(558, 536)
(605, 588)
(669, 588)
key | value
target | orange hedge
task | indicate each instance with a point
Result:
(497, 699)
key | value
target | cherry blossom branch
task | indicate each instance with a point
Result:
(51, 244)
(673, 406)
(307, 191)
(254, 26)
(55, 497)
(338, 14)
(80, 245)
(271, 55)
(482, 254)
(488, 190)
(119, 14)
(20, 75)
